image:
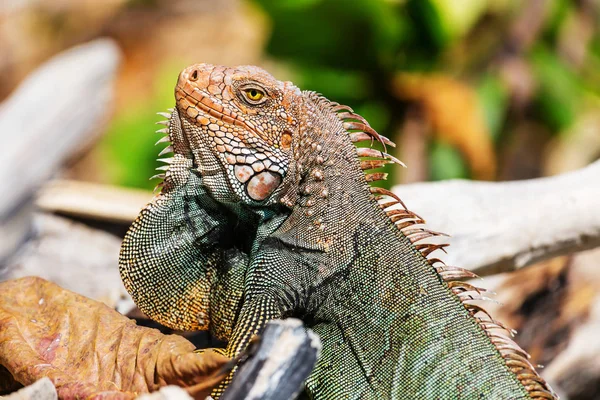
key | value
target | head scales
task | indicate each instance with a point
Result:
(240, 122)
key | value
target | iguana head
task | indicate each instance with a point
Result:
(239, 123)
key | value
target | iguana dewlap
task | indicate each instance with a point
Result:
(266, 212)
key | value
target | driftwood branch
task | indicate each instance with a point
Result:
(56, 111)
(497, 227)
(284, 357)
(93, 201)
(42, 389)
(555, 307)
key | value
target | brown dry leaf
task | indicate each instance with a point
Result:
(452, 108)
(89, 350)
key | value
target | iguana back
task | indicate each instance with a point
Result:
(327, 247)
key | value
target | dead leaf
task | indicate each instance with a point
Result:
(453, 111)
(89, 350)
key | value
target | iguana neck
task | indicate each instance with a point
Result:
(396, 316)
(326, 178)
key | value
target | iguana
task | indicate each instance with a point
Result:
(266, 211)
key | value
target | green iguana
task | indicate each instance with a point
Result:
(266, 212)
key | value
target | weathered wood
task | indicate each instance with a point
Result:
(283, 358)
(555, 307)
(93, 201)
(57, 110)
(72, 255)
(496, 227)
(42, 389)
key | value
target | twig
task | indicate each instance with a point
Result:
(285, 356)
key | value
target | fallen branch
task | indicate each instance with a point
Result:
(494, 227)
(498, 227)
(284, 357)
(555, 307)
(72, 255)
(93, 201)
(56, 111)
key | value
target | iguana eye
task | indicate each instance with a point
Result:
(254, 95)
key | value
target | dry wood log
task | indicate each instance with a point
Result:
(494, 227)
(72, 255)
(278, 364)
(56, 111)
(497, 227)
(93, 201)
(555, 307)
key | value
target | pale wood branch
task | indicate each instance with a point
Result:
(284, 356)
(494, 227)
(93, 201)
(60, 108)
(72, 255)
(503, 226)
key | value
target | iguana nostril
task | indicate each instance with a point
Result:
(194, 75)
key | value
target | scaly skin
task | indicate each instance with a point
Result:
(393, 322)
(179, 260)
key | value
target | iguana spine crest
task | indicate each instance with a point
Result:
(413, 227)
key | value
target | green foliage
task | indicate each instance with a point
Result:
(445, 162)
(351, 50)
(132, 148)
(128, 147)
(336, 33)
(559, 10)
(557, 100)
(457, 17)
(494, 99)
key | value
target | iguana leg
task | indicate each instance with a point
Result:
(271, 293)
(255, 314)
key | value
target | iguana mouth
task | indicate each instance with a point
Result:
(258, 174)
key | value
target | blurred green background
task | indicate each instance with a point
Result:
(479, 89)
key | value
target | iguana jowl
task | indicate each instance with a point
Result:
(266, 212)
